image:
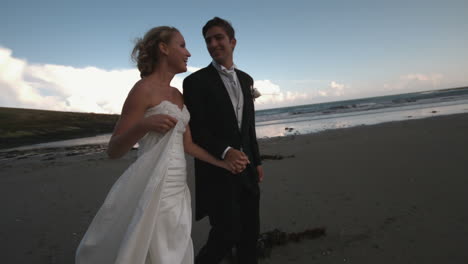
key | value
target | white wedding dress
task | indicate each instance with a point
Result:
(146, 217)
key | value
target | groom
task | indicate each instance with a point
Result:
(219, 99)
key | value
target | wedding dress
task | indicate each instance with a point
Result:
(146, 217)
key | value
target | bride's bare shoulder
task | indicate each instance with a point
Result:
(177, 95)
(140, 96)
(142, 86)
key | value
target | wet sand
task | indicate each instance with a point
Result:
(388, 193)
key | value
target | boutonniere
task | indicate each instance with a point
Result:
(255, 93)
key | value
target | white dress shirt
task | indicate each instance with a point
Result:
(234, 89)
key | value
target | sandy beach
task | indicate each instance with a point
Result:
(387, 193)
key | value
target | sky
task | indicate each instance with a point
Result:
(75, 55)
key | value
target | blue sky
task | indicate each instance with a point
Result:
(75, 55)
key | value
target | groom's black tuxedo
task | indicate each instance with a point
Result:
(214, 127)
(224, 197)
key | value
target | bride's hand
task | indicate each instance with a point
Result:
(233, 169)
(160, 123)
(225, 166)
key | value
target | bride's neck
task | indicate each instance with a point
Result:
(162, 76)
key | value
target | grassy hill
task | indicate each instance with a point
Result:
(27, 126)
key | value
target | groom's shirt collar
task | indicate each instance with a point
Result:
(223, 70)
(233, 87)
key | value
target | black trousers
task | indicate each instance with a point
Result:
(235, 222)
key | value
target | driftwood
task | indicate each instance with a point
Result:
(268, 240)
(274, 157)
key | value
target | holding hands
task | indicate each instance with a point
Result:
(235, 161)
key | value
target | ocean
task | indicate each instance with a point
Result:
(312, 118)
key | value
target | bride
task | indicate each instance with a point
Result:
(146, 217)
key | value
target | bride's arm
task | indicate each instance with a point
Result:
(132, 124)
(196, 151)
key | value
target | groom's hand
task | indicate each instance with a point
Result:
(237, 160)
(260, 173)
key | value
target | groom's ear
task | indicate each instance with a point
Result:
(233, 42)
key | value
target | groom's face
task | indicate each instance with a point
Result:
(219, 45)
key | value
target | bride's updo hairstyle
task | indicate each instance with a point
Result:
(146, 52)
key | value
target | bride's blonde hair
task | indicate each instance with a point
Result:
(146, 52)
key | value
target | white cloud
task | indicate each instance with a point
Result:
(337, 86)
(405, 83)
(334, 89)
(295, 92)
(412, 82)
(322, 93)
(266, 87)
(273, 96)
(417, 79)
(90, 89)
(13, 86)
(192, 69)
(65, 88)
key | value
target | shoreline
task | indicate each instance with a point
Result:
(388, 193)
(29, 129)
(290, 132)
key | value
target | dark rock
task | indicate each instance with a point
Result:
(276, 237)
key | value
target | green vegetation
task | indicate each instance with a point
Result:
(27, 126)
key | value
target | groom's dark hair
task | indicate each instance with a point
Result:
(219, 22)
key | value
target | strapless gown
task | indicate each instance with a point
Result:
(146, 217)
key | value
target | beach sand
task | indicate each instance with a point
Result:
(387, 193)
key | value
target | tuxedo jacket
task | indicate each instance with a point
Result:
(214, 127)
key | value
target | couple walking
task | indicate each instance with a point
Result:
(146, 217)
